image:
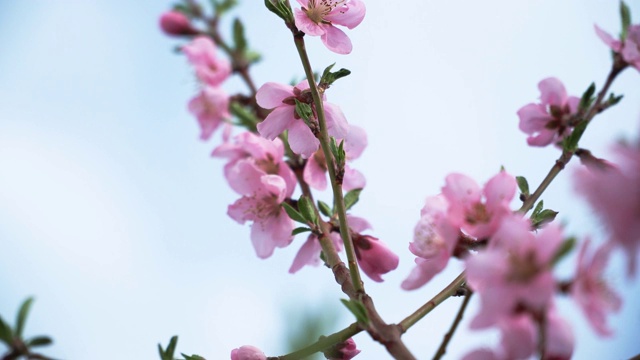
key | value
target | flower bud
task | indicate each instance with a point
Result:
(342, 351)
(247, 352)
(374, 257)
(176, 24)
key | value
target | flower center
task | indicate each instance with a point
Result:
(318, 9)
(477, 214)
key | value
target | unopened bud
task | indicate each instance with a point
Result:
(175, 23)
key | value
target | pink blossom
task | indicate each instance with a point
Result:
(309, 253)
(477, 211)
(346, 350)
(434, 240)
(591, 292)
(176, 23)
(374, 257)
(265, 155)
(317, 18)
(261, 203)
(201, 53)
(514, 271)
(614, 194)
(629, 48)
(247, 352)
(211, 108)
(547, 122)
(281, 98)
(315, 170)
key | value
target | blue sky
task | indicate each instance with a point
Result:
(113, 215)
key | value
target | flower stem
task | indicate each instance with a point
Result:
(449, 335)
(335, 185)
(443, 295)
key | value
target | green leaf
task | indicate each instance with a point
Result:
(167, 354)
(38, 341)
(351, 198)
(299, 230)
(538, 208)
(252, 57)
(324, 208)
(307, 210)
(293, 213)
(244, 116)
(545, 216)
(587, 97)
(304, 111)
(224, 6)
(192, 357)
(338, 152)
(357, 309)
(238, 36)
(625, 16)
(279, 8)
(6, 334)
(614, 100)
(523, 185)
(23, 313)
(570, 143)
(328, 77)
(564, 249)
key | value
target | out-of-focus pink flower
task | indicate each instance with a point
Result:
(514, 271)
(317, 18)
(434, 240)
(560, 338)
(346, 350)
(629, 48)
(374, 257)
(176, 23)
(261, 203)
(266, 155)
(590, 290)
(281, 98)
(614, 194)
(478, 211)
(309, 253)
(247, 352)
(547, 122)
(201, 53)
(211, 108)
(315, 170)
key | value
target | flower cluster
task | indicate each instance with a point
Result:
(628, 48)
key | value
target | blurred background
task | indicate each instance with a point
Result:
(113, 214)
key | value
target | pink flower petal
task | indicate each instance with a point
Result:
(277, 122)
(355, 142)
(615, 45)
(314, 174)
(337, 125)
(350, 14)
(552, 92)
(306, 25)
(336, 40)
(500, 190)
(301, 139)
(271, 94)
(353, 179)
(309, 254)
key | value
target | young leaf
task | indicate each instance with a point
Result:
(625, 16)
(167, 354)
(325, 209)
(587, 97)
(224, 6)
(545, 216)
(238, 36)
(6, 335)
(22, 316)
(306, 209)
(564, 249)
(192, 357)
(351, 198)
(38, 341)
(523, 185)
(293, 213)
(537, 210)
(299, 230)
(244, 116)
(357, 309)
(613, 100)
(328, 77)
(570, 143)
(304, 111)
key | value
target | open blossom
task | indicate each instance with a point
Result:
(374, 257)
(434, 240)
(176, 23)
(309, 253)
(210, 69)
(315, 170)
(211, 108)
(261, 203)
(547, 122)
(266, 156)
(614, 194)
(478, 211)
(281, 98)
(629, 48)
(514, 271)
(247, 352)
(317, 18)
(590, 290)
